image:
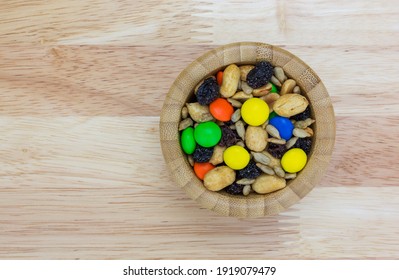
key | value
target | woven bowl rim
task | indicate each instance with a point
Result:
(254, 205)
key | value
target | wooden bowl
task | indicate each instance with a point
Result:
(253, 205)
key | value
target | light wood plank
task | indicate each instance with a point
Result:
(86, 152)
(105, 80)
(68, 223)
(199, 21)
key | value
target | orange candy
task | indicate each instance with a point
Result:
(201, 169)
(219, 78)
(221, 109)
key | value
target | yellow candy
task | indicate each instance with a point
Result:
(255, 111)
(294, 160)
(236, 157)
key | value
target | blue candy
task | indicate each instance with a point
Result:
(283, 125)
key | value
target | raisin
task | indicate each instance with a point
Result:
(276, 150)
(208, 91)
(260, 75)
(229, 137)
(251, 171)
(302, 116)
(228, 123)
(234, 189)
(202, 154)
(304, 143)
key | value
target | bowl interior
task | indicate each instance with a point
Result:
(253, 205)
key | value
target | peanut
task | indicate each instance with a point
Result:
(231, 77)
(185, 123)
(267, 183)
(290, 104)
(287, 87)
(262, 91)
(219, 178)
(255, 138)
(244, 70)
(199, 113)
(217, 156)
(241, 96)
(184, 113)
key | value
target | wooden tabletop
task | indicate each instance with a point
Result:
(81, 89)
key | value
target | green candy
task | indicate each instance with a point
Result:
(272, 115)
(274, 89)
(207, 134)
(187, 140)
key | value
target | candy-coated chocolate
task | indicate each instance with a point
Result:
(274, 88)
(219, 78)
(272, 115)
(255, 111)
(236, 157)
(187, 140)
(294, 160)
(201, 169)
(207, 134)
(221, 109)
(283, 125)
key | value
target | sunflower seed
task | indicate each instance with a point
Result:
(296, 89)
(184, 113)
(265, 124)
(275, 81)
(273, 131)
(279, 171)
(246, 88)
(279, 74)
(298, 132)
(245, 181)
(240, 129)
(219, 123)
(190, 160)
(233, 127)
(185, 123)
(290, 176)
(276, 141)
(304, 124)
(290, 143)
(246, 190)
(265, 169)
(236, 116)
(234, 102)
(239, 86)
(241, 96)
(240, 143)
(261, 158)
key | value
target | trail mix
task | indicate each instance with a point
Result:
(247, 129)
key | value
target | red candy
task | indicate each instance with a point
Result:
(219, 78)
(201, 169)
(221, 109)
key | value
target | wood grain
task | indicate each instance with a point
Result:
(81, 170)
